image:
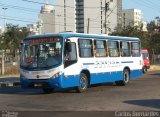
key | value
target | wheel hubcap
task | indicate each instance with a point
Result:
(126, 78)
(83, 83)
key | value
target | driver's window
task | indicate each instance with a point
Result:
(70, 54)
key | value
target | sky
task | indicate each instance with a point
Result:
(22, 12)
(150, 8)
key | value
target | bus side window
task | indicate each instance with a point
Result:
(85, 48)
(113, 48)
(100, 48)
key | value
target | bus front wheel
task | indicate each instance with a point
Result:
(83, 83)
(48, 90)
(126, 78)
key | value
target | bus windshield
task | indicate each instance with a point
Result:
(145, 56)
(41, 53)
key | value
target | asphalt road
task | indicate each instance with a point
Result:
(141, 94)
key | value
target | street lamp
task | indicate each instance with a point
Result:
(3, 70)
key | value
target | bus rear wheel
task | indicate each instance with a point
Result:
(126, 78)
(144, 69)
(83, 83)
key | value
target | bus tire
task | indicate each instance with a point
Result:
(144, 69)
(126, 78)
(83, 83)
(48, 90)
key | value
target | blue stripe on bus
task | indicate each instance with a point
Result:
(127, 62)
(73, 80)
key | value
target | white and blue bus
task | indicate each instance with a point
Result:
(74, 60)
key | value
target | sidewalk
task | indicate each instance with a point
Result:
(154, 67)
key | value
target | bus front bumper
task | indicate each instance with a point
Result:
(40, 83)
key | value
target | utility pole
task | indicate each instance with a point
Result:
(3, 70)
(59, 21)
(101, 18)
(4, 18)
(88, 25)
(64, 15)
(106, 10)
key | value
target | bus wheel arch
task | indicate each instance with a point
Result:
(127, 68)
(84, 81)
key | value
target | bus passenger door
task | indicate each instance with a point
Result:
(70, 54)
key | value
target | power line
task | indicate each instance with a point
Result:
(147, 5)
(34, 10)
(43, 3)
(18, 7)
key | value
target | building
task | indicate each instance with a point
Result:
(131, 17)
(46, 22)
(65, 16)
(144, 27)
(88, 16)
(33, 29)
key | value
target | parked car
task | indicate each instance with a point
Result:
(146, 61)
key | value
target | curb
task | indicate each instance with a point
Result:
(9, 84)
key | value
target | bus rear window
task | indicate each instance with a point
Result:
(125, 49)
(135, 46)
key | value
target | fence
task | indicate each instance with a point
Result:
(155, 59)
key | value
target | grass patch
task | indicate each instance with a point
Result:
(11, 70)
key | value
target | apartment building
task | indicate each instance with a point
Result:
(131, 17)
(88, 16)
(65, 15)
(46, 19)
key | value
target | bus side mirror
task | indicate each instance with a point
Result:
(20, 47)
(68, 47)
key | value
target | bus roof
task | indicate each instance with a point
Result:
(83, 35)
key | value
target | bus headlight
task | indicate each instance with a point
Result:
(56, 75)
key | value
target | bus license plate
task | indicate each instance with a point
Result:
(38, 85)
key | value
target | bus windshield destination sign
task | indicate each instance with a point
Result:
(43, 40)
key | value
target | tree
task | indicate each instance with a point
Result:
(11, 40)
(150, 40)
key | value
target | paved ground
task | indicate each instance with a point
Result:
(140, 95)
